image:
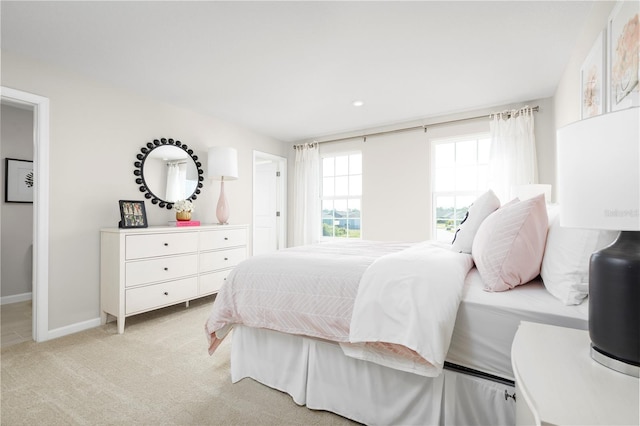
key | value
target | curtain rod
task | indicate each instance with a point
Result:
(424, 127)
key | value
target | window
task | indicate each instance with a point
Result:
(460, 175)
(341, 195)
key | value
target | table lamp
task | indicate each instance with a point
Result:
(223, 165)
(599, 188)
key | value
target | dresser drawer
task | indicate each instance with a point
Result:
(166, 268)
(154, 296)
(212, 282)
(223, 238)
(153, 245)
(221, 259)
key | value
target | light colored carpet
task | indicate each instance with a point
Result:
(158, 372)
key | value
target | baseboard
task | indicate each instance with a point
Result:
(15, 298)
(73, 328)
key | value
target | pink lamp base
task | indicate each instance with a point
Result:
(222, 210)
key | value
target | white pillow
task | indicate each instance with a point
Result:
(510, 243)
(478, 211)
(565, 265)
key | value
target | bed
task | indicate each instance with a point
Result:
(382, 333)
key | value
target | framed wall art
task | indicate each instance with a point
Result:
(592, 80)
(18, 181)
(624, 44)
(132, 214)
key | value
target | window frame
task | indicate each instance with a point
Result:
(334, 197)
(455, 193)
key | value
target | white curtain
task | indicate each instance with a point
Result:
(306, 195)
(176, 177)
(513, 152)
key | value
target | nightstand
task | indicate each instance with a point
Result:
(557, 382)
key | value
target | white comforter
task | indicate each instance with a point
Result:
(393, 304)
(409, 299)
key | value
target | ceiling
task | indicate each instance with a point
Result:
(291, 70)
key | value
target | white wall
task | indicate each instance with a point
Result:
(96, 132)
(16, 141)
(396, 186)
(567, 96)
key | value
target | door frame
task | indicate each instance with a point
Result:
(281, 202)
(40, 280)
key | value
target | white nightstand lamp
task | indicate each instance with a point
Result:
(599, 188)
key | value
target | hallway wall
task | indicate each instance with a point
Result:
(16, 141)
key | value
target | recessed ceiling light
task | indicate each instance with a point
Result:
(357, 103)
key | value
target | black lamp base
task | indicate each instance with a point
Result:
(614, 304)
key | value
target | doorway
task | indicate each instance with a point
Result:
(269, 202)
(17, 233)
(40, 279)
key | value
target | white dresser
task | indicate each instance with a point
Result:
(142, 269)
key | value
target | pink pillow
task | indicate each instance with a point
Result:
(509, 244)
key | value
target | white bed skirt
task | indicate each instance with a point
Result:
(317, 374)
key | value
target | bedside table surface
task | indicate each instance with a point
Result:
(562, 385)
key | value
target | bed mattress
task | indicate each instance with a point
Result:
(487, 322)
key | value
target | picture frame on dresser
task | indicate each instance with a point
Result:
(132, 214)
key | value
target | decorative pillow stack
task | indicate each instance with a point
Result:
(565, 266)
(481, 208)
(509, 245)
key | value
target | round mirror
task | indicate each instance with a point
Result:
(168, 171)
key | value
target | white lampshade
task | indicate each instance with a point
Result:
(599, 172)
(524, 192)
(223, 163)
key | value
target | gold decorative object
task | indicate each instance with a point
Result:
(183, 215)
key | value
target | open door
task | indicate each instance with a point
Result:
(269, 202)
